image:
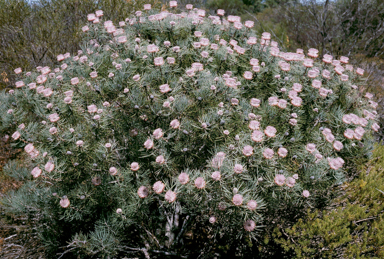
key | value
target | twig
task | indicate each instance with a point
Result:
(362, 220)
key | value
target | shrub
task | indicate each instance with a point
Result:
(352, 228)
(172, 133)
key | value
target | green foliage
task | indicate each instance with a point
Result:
(353, 227)
(108, 150)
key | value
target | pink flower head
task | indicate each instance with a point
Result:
(183, 178)
(313, 53)
(160, 160)
(159, 61)
(316, 84)
(349, 133)
(306, 193)
(257, 136)
(254, 125)
(330, 138)
(338, 145)
(310, 147)
(248, 75)
(53, 117)
(135, 166)
(164, 88)
(252, 205)
(290, 182)
(255, 102)
(200, 183)
(238, 169)
(99, 13)
(218, 160)
(248, 150)
(170, 196)
(64, 202)
(216, 175)
(282, 104)
(285, 66)
(212, 220)
(344, 59)
(268, 153)
(170, 60)
(29, 148)
(282, 152)
(220, 12)
(339, 70)
(375, 127)
(249, 24)
(297, 87)
(175, 124)
(344, 77)
(293, 122)
(249, 225)
(270, 131)
(74, 81)
(19, 84)
(158, 187)
(189, 7)
(158, 133)
(273, 100)
(173, 4)
(327, 59)
(326, 74)
(335, 163)
(113, 171)
(237, 199)
(92, 108)
(49, 167)
(266, 36)
(147, 7)
(308, 62)
(36, 172)
(252, 41)
(360, 71)
(280, 179)
(53, 130)
(142, 192)
(79, 143)
(148, 144)
(18, 70)
(296, 101)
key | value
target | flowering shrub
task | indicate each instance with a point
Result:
(168, 121)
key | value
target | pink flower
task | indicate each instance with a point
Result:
(266, 36)
(375, 127)
(254, 125)
(36, 172)
(68, 100)
(148, 144)
(248, 150)
(248, 75)
(183, 178)
(158, 133)
(160, 160)
(339, 70)
(290, 182)
(216, 175)
(113, 171)
(29, 148)
(99, 13)
(189, 7)
(142, 192)
(135, 166)
(295, 176)
(308, 63)
(282, 152)
(296, 101)
(159, 61)
(293, 122)
(212, 220)
(249, 24)
(344, 77)
(349, 133)
(18, 70)
(74, 81)
(249, 225)
(32, 85)
(200, 183)
(344, 59)
(313, 53)
(108, 145)
(316, 84)
(49, 167)
(170, 196)
(310, 147)
(41, 79)
(280, 179)
(152, 48)
(16, 135)
(257, 136)
(218, 160)
(53, 117)
(326, 74)
(338, 145)
(19, 84)
(53, 130)
(268, 153)
(220, 12)
(255, 102)
(238, 169)
(312, 73)
(285, 66)
(327, 59)
(270, 131)
(136, 77)
(173, 4)
(326, 131)
(306, 193)
(297, 87)
(335, 163)
(254, 62)
(360, 71)
(158, 187)
(79, 143)
(237, 199)
(164, 88)
(252, 41)
(330, 138)
(64, 202)
(147, 7)
(282, 104)
(175, 124)
(252, 205)
(171, 60)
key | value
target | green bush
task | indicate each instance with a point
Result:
(172, 123)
